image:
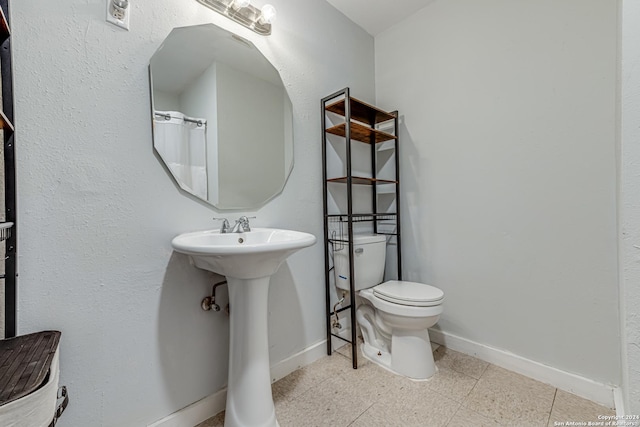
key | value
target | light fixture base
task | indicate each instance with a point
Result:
(248, 16)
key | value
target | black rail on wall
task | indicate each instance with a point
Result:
(6, 70)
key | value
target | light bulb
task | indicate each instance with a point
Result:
(239, 4)
(268, 15)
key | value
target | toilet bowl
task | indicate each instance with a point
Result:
(393, 316)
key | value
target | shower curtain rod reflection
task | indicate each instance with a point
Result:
(169, 117)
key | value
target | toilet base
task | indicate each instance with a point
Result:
(412, 356)
(396, 336)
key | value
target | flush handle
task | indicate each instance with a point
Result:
(359, 250)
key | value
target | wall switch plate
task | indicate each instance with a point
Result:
(122, 19)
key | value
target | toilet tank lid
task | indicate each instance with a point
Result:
(408, 291)
(364, 239)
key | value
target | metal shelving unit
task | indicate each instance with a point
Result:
(8, 224)
(363, 124)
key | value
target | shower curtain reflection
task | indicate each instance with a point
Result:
(181, 142)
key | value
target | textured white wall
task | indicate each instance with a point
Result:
(97, 211)
(509, 172)
(630, 206)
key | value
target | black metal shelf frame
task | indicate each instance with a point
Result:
(350, 217)
(6, 70)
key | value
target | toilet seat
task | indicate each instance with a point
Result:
(409, 293)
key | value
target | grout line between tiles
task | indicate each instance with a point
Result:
(555, 393)
(484, 370)
(466, 398)
(337, 352)
(369, 407)
(448, 397)
(461, 401)
(454, 414)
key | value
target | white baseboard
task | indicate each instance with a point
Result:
(303, 358)
(583, 387)
(618, 400)
(195, 413)
(211, 405)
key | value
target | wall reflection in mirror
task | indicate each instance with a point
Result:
(222, 120)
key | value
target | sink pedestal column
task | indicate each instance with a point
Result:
(249, 399)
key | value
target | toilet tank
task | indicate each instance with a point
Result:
(369, 258)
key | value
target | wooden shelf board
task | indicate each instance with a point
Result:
(5, 123)
(361, 133)
(361, 111)
(362, 181)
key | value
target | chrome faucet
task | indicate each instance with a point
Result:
(225, 225)
(241, 225)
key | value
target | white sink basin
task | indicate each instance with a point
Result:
(257, 253)
(247, 260)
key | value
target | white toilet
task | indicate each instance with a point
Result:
(394, 316)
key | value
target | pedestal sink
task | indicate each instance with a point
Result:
(247, 260)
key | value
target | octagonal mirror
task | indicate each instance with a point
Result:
(222, 119)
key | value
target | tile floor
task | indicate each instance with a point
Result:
(466, 392)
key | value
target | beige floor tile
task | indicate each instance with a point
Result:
(371, 382)
(328, 404)
(410, 407)
(434, 346)
(330, 393)
(469, 365)
(376, 417)
(217, 421)
(465, 417)
(569, 407)
(459, 362)
(511, 399)
(444, 357)
(450, 383)
(300, 381)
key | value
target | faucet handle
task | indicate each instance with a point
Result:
(244, 222)
(225, 224)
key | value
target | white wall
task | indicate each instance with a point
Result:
(97, 210)
(629, 206)
(508, 133)
(164, 101)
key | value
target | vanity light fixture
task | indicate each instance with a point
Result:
(243, 12)
(239, 4)
(268, 14)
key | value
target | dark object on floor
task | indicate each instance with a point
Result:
(25, 362)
